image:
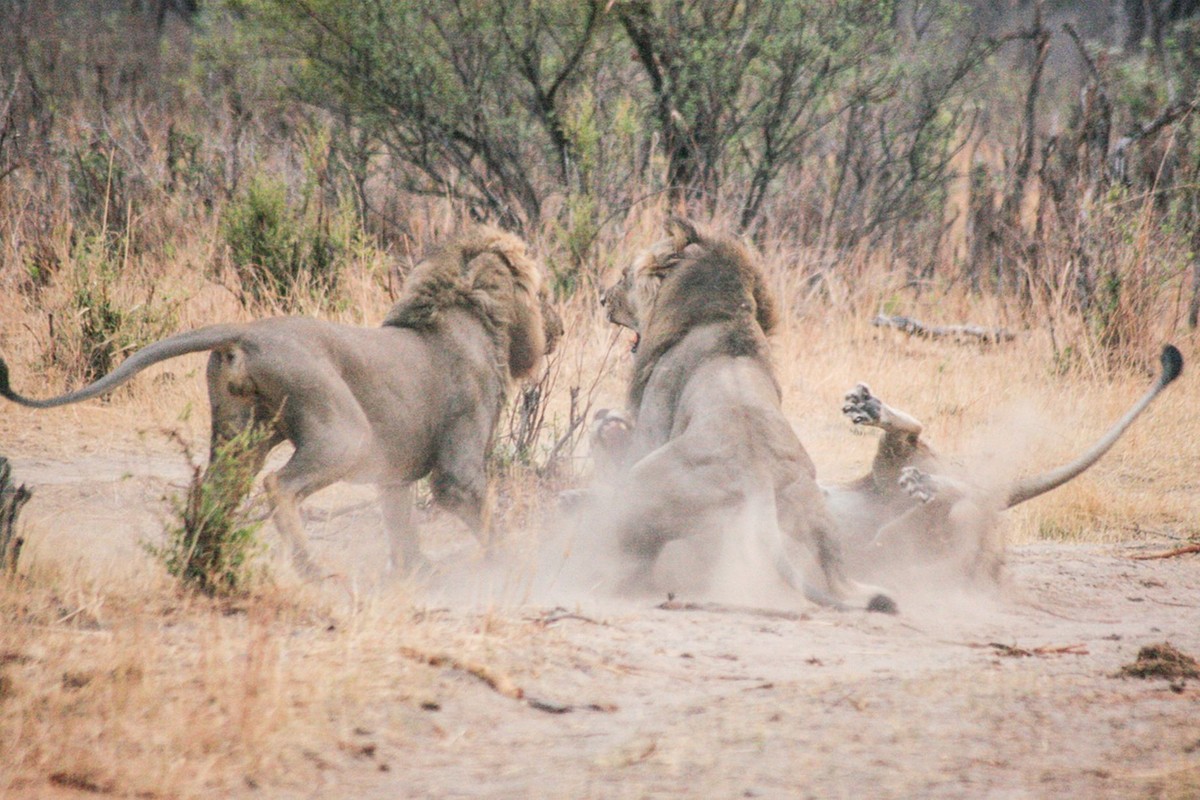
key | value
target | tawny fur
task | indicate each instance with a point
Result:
(912, 506)
(709, 436)
(418, 396)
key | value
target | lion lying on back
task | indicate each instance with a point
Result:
(418, 396)
(710, 439)
(912, 506)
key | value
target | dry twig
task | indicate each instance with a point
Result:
(498, 682)
(559, 614)
(720, 608)
(1079, 649)
(1177, 551)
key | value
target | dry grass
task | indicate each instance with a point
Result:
(122, 685)
(135, 690)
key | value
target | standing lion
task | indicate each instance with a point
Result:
(709, 441)
(419, 396)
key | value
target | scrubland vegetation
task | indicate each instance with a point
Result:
(170, 163)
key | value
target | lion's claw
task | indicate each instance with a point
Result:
(862, 407)
(917, 484)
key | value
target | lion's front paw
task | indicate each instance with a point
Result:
(862, 407)
(611, 430)
(917, 484)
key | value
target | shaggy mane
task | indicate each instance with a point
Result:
(489, 274)
(704, 280)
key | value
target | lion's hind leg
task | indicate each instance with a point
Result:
(936, 496)
(236, 410)
(675, 491)
(312, 467)
(242, 434)
(951, 524)
(900, 446)
(404, 548)
(331, 435)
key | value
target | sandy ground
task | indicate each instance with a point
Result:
(960, 696)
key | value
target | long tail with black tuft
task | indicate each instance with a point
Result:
(1029, 488)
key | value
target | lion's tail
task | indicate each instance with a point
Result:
(839, 592)
(1029, 488)
(177, 345)
(875, 599)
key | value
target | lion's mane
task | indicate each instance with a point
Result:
(688, 280)
(489, 274)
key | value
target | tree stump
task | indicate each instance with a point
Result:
(12, 498)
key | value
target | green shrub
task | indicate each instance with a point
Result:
(274, 249)
(262, 239)
(98, 190)
(212, 548)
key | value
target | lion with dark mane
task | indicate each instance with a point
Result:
(710, 439)
(419, 396)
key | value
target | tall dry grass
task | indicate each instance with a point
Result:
(120, 684)
(134, 690)
(112, 681)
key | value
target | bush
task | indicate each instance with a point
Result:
(275, 249)
(213, 546)
(101, 324)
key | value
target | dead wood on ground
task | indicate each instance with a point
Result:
(958, 333)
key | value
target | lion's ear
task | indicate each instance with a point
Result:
(766, 309)
(527, 339)
(682, 232)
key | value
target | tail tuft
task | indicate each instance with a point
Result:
(883, 604)
(1172, 364)
(5, 388)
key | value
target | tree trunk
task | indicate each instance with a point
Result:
(11, 500)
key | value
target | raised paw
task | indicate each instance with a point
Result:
(917, 484)
(862, 407)
(611, 429)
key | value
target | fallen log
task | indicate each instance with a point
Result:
(958, 333)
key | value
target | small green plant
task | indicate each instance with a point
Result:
(187, 171)
(102, 325)
(213, 546)
(263, 238)
(98, 186)
(274, 248)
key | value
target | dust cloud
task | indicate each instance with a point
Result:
(948, 560)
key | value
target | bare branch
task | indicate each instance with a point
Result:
(957, 332)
